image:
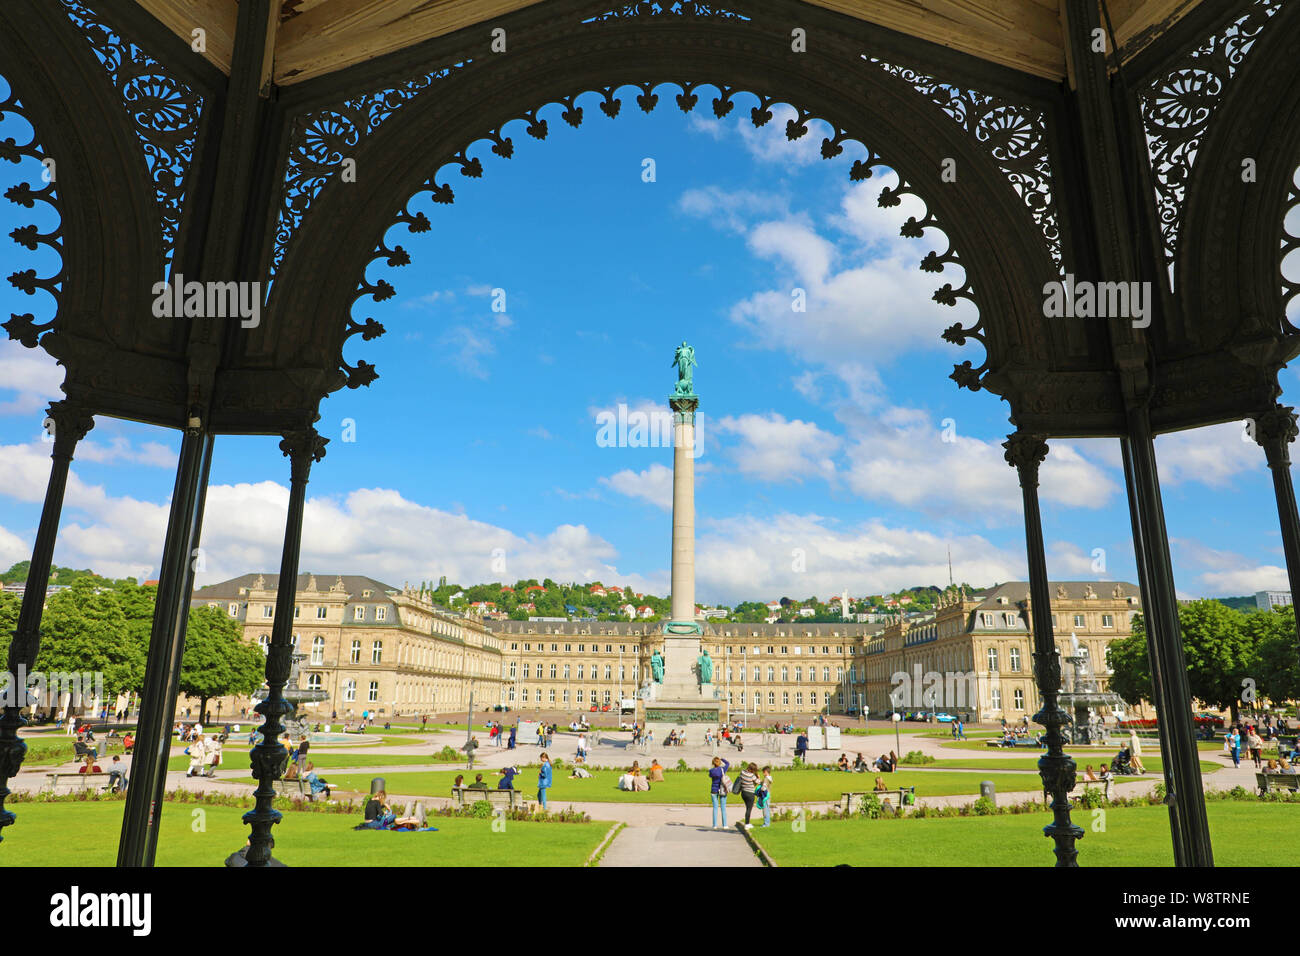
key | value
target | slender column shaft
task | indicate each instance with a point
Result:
(1275, 430)
(269, 758)
(142, 815)
(1165, 644)
(70, 425)
(1025, 453)
(683, 566)
(1144, 582)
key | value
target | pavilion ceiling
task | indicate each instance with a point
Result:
(317, 37)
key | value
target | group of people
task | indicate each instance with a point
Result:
(861, 765)
(497, 734)
(1246, 736)
(205, 755)
(753, 785)
(634, 779)
(381, 816)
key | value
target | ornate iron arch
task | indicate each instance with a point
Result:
(112, 241)
(998, 223)
(1232, 298)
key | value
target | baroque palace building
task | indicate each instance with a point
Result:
(370, 646)
(981, 646)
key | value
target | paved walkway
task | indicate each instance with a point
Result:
(679, 844)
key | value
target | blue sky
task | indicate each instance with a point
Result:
(824, 467)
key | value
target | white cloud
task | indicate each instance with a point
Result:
(32, 374)
(767, 143)
(1211, 456)
(900, 455)
(734, 209)
(755, 558)
(654, 485)
(119, 449)
(776, 450)
(1264, 577)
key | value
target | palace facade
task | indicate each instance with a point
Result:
(369, 645)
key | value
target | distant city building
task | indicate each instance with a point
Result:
(1267, 600)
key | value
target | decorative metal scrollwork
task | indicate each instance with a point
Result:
(1013, 134)
(25, 328)
(323, 140)
(1289, 258)
(657, 8)
(164, 113)
(1177, 108)
(610, 104)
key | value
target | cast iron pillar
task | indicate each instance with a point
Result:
(1025, 452)
(141, 818)
(269, 758)
(1184, 796)
(1275, 430)
(69, 425)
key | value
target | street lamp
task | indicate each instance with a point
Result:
(897, 745)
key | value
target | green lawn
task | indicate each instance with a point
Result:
(86, 834)
(1149, 747)
(1244, 834)
(789, 786)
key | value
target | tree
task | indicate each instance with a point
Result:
(1275, 645)
(1220, 652)
(217, 661)
(84, 631)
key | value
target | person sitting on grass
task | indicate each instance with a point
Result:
(859, 765)
(843, 763)
(379, 815)
(579, 771)
(656, 771)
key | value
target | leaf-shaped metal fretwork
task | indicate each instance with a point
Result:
(163, 111)
(323, 140)
(1177, 108)
(656, 8)
(1013, 134)
(611, 105)
(1289, 258)
(25, 328)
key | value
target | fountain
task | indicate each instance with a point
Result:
(296, 724)
(1082, 698)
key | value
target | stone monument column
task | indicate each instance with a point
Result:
(683, 586)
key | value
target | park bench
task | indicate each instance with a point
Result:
(498, 798)
(1016, 742)
(1080, 785)
(291, 788)
(77, 781)
(851, 802)
(1268, 782)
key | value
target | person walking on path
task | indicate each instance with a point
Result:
(582, 745)
(469, 751)
(801, 747)
(544, 777)
(718, 789)
(748, 786)
(1234, 746)
(1255, 745)
(511, 745)
(765, 796)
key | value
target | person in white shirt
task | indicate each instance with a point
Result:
(582, 745)
(198, 756)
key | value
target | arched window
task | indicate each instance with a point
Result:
(313, 682)
(264, 641)
(349, 691)
(318, 650)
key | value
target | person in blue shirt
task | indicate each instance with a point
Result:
(543, 780)
(719, 786)
(508, 775)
